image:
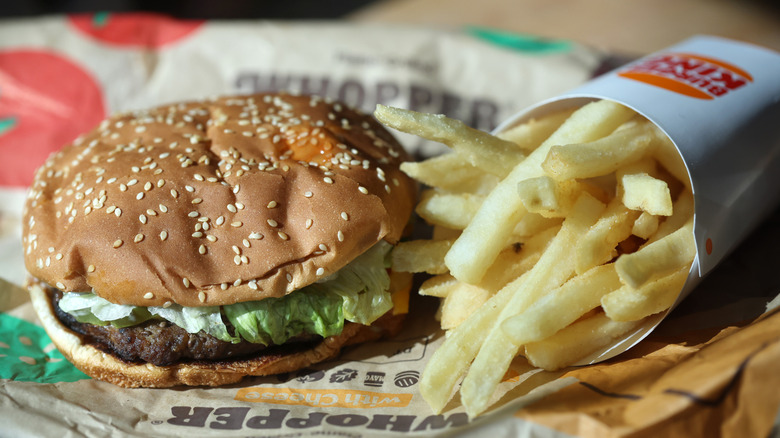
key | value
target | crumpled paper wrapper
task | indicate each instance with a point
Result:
(709, 370)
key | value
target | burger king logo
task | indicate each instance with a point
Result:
(690, 75)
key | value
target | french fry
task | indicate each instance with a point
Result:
(460, 303)
(554, 267)
(528, 136)
(562, 306)
(629, 304)
(489, 153)
(575, 342)
(482, 240)
(598, 244)
(420, 256)
(438, 286)
(657, 259)
(645, 225)
(645, 193)
(547, 197)
(451, 360)
(450, 172)
(450, 210)
(602, 156)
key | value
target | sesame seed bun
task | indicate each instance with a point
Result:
(212, 203)
(215, 202)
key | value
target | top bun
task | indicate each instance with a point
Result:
(215, 202)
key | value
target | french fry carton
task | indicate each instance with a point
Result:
(718, 100)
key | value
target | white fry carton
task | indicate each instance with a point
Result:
(718, 100)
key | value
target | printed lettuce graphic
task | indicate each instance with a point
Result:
(28, 355)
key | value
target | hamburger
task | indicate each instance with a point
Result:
(201, 242)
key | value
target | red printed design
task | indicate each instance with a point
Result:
(143, 30)
(46, 101)
(690, 75)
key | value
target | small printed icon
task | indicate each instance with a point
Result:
(344, 375)
(310, 376)
(374, 378)
(405, 379)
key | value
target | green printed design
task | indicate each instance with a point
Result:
(519, 42)
(28, 355)
(100, 19)
(7, 124)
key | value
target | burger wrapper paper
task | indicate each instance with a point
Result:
(710, 369)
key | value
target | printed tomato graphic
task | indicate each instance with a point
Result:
(144, 30)
(46, 101)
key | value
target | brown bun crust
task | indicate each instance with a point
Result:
(106, 367)
(215, 202)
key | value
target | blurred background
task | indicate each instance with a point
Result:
(627, 27)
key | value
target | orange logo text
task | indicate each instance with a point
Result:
(690, 75)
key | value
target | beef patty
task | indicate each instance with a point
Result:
(162, 343)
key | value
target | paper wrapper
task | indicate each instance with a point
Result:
(709, 369)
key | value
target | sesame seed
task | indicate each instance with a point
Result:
(110, 209)
(237, 282)
(310, 194)
(256, 236)
(122, 187)
(202, 296)
(232, 208)
(91, 268)
(193, 214)
(139, 196)
(163, 235)
(363, 190)
(253, 284)
(320, 272)
(236, 224)
(163, 208)
(344, 215)
(174, 193)
(245, 243)
(244, 259)
(186, 281)
(197, 201)
(160, 183)
(340, 236)
(197, 234)
(142, 218)
(237, 260)
(328, 180)
(118, 243)
(289, 277)
(60, 286)
(118, 212)
(198, 177)
(223, 286)
(272, 204)
(272, 223)
(148, 186)
(283, 235)
(236, 249)
(211, 238)
(239, 206)
(151, 212)
(189, 189)
(202, 249)
(309, 223)
(167, 304)
(148, 295)
(138, 237)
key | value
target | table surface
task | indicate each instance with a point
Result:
(623, 27)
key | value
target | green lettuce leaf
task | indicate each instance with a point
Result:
(358, 293)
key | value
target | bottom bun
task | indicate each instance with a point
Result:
(104, 366)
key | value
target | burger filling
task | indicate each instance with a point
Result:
(357, 293)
